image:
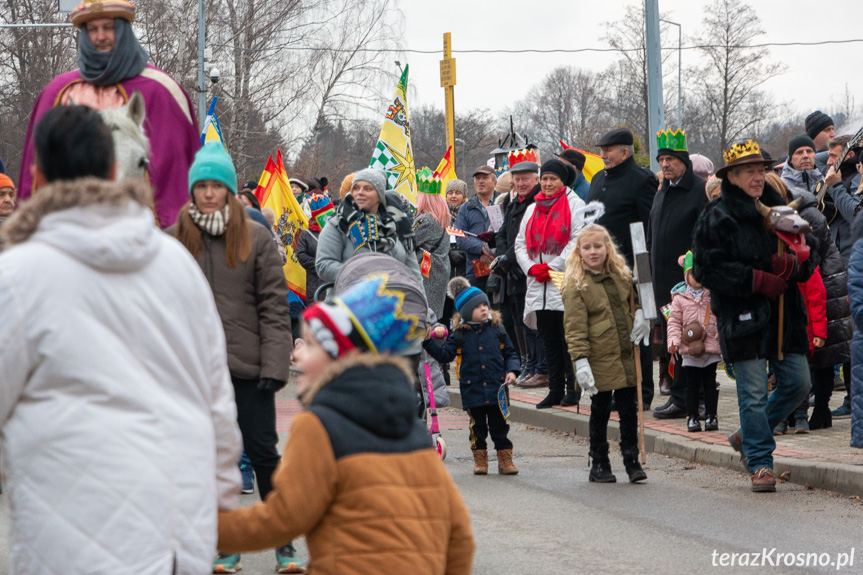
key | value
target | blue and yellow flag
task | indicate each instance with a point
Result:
(393, 152)
(212, 132)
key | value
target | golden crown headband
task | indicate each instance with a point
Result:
(741, 150)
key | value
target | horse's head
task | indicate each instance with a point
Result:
(784, 218)
(131, 146)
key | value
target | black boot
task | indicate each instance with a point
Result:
(600, 471)
(571, 397)
(633, 467)
(553, 398)
(821, 417)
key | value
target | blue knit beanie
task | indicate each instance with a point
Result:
(212, 162)
(465, 297)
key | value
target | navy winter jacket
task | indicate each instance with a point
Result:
(855, 294)
(484, 359)
(472, 217)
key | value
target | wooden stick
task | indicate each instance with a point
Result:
(779, 353)
(637, 357)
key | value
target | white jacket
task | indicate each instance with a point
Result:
(118, 420)
(545, 296)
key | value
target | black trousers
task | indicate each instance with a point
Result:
(698, 380)
(600, 411)
(560, 372)
(485, 420)
(256, 416)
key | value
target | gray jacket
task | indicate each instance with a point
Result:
(430, 236)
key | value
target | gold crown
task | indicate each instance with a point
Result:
(740, 150)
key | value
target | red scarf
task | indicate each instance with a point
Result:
(548, 229)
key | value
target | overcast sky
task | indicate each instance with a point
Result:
(816, 75)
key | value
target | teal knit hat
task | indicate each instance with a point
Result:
(212, 162)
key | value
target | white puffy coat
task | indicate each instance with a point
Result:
(545, 296)
(118, 419)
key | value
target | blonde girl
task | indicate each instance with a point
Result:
(600, 331)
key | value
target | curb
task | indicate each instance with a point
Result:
(837, 477)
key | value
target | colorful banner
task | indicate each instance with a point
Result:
(212, 132)
(593, 164)
(274, 192)
(444, 171)
(393, 152)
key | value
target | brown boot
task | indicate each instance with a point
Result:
(504, 463)
(480, 462)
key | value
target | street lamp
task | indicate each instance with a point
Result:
(202, 87)
(679, 69)
(463, 146)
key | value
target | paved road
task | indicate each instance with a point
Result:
(550, 520)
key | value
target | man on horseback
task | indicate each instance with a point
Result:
(111, 66)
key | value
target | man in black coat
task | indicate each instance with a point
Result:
(525, 182)
(676, 207)
(737, 259)
(627, 190)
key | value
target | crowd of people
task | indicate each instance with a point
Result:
(150, 326)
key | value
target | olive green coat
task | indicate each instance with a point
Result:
(598, 324)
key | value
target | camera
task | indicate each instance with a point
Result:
(214, 74)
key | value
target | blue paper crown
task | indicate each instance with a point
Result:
(376, 313)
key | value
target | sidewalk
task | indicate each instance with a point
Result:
(821, 459)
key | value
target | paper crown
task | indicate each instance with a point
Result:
(93, 9)
(741, 150)
(668, 140)
(321, 208)
(428, 183)
(367, 316)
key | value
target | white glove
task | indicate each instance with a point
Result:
(640, 329)
(584, 375)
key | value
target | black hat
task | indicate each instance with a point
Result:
(574, 157)
(798, 142)
(250, 184)
(681, 155)
(617, 137)
(564, 172)
(524, 167)
(817, 122)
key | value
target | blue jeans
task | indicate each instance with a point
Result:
(759, 414)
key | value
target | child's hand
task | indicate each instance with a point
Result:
(510, 378)
(818, 342)
(439, 332)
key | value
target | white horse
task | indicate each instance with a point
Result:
(131, 145)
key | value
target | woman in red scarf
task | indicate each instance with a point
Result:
(547, 235)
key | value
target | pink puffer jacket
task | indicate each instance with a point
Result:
(685, 310)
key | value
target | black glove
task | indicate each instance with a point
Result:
(456, 257)
(488, 238)
(270, 384)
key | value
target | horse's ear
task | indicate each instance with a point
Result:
(136, 108)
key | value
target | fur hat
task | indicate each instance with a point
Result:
(212, 162)
(93, 9)
(457, 185)
(366, 317)
(817, 122)
(465, 296)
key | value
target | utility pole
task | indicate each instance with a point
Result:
(447, 82)
(679, 72)
(655, 111)
(202, 86)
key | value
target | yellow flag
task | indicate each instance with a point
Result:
(290, 219)
(393, 152)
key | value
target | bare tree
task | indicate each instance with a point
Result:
(729, 87)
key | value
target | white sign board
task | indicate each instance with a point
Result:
(495, 216)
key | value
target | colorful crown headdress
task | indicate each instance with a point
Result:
(741, 150)
(376, 314)
(668, 140)
(428, 183)
(322, 208)
(525, 155)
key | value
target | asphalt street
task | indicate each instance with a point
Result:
(550, 520)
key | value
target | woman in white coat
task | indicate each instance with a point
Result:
(546, 237)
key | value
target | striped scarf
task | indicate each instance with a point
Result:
(213, 224)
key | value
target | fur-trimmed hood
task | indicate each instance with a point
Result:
(459, 323)
(107, 225)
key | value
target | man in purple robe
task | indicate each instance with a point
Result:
(111, 66)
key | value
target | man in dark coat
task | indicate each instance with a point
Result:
(736, 259)
(627, 190)
(676, 208)
(525, 178)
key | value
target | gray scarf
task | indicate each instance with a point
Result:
(127, 60)
(213, 224)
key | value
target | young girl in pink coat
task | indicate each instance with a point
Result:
(692, 332)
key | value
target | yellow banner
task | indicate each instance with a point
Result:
(393, 152)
